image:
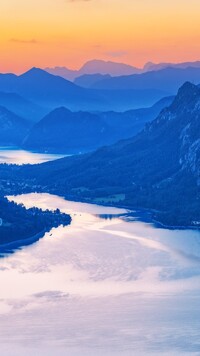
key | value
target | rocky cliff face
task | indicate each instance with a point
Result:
(182, 120)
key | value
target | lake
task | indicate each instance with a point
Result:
(108, 284)
(11, 155)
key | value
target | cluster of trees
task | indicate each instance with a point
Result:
(18, 223)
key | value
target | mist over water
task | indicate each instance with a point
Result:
(19, 157)
(103, 286)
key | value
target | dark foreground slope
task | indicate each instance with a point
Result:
(157, 169)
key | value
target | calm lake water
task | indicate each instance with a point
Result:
(105, 285)
(16, 156)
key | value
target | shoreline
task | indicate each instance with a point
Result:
(143, 211)
(157, 223)
(140, 214)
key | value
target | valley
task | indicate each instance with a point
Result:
(158, 169)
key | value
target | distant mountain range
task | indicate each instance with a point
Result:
(169, 78)
(114, 69)
(65, 131)
(149, 66)
(95, 67)
(35, 93)
(45, 89)
(73, 132)
(157, 169)
(48, 92)
(107, 67)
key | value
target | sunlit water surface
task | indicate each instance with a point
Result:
(19, 157)
(101, 286)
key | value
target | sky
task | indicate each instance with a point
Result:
(48, 33)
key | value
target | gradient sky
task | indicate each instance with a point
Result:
(69, 32)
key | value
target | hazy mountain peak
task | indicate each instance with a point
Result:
(35, 71)
(108, 67)
(148, 65)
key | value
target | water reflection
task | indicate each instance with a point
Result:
(112, 216)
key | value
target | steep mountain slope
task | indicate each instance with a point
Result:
(158, 168)
(66, 131)
(13, 128)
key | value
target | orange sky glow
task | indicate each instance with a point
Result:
(50, 33)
